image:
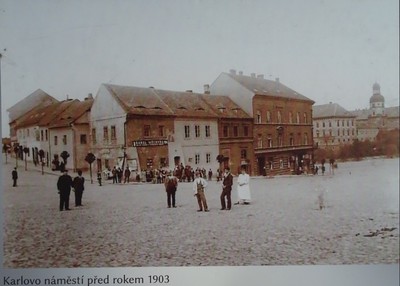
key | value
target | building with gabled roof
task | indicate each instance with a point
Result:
(282, 129)
(333, 126)
(38, 98)
(148, 128)
(69, 132)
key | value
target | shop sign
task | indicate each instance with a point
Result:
(149, 143)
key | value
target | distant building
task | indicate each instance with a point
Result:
(282, 121)
(35, 99)
(55, 128)
(333, 126)
(378, 117)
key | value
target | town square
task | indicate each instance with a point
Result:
(130, 224)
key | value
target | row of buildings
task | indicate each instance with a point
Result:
(335, 126)
(239, 120)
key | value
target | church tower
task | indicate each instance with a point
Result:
(377, 101)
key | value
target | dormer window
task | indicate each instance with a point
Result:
(139, 106)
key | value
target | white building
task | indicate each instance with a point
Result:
(333, 126)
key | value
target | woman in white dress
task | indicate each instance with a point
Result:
(243, 188)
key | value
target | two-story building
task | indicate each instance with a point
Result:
(282, 130)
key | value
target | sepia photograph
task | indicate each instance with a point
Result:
(205, 134)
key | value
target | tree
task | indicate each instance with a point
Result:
(5, 149)
(16, 151)
(90, 157)
(26, 151)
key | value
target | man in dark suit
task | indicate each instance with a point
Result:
(14, 175)
(78, 184)
(64, 185)
(226, 190)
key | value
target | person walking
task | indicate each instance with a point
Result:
(227, 183)
(114, 175)
(243, 187)
(199, 186)
(99, 177)
(171, 185)
(64, 185)
(14, 175)
(79, 187)
(127, 174)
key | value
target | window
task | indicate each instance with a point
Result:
(55, 140)
(258, 117)
(246, 130)
(298, 118)
(197, 131)
(259, 141)
(305, 117)
(161, 131)
(225, 131)
(208, 158)
(337, 123)
(37, 135)
(291, 139)
(65, 139)
(46, 135)
(291, 118)
(342, 123)
(330, 124)
(105, 134)
(268, 116)
(187, 131)
(305, 139)
(27, 132)
(235, 131)
(163, 162)
(280, 141)
(281, 163)
(243, 154)
(338, 133)
(146, 131)
(269, 141)
(323, 124)
(208, 131)
(197, 159)
(348, 132)
(318, 133)
(94, 141)
(41, 135)
(279, 116)
(113, 133)
(83, 139)
(317, 124)
(347, 123)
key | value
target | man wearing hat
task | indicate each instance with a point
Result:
(199, 186)
(171, 184)
(64, 185)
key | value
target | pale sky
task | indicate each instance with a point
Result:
(329, 51)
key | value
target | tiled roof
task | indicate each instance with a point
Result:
(365, 113)
(35, 99)
(138, 100)
(42, 115)
(75, 110)
(263, 86)
(224, 106)
(392, 111)
(330, 110)
(151, 101)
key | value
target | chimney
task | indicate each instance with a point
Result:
(240, 73)
(67, 97)
(232, 71)
(277, 84)
(253, 75)
(90, 96)
(206, 89)
(260, 76)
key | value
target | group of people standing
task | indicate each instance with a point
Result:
(200, 186)
(64, 185)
